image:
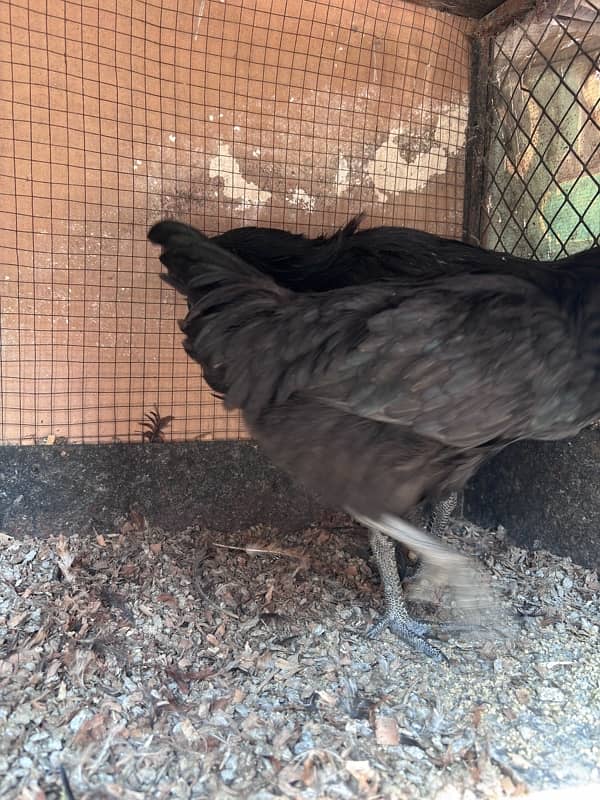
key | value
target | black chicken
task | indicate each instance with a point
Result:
(345, 258)
(383, 394)
(321, 264)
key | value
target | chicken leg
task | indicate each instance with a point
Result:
(433, 518)
(396, 616)
(434, 552)
(441, 513)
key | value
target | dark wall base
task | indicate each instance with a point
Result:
(544, 491)
(549, 492)
(221, 485)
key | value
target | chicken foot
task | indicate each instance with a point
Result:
(440, 563)
(396, 616)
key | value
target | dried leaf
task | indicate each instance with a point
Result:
(476, 716)
(17, 619)
(238, 695)
(137, 520)
(183, 678)
(309, 771)
(364, 774)
(288, 777)
(220, 703)
(167, 598)
(386, 731)
(269, 594)
(188, 730)
(523, 696)
(285, 737)
(32, 792)
(53, 669)
(65, 558)
(327, 698)
(92, 730)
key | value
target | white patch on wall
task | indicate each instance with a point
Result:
(342, 176)
(301, 199)
(155, 195)
(419, 149)
(235, 187)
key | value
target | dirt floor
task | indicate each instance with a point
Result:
(150, 664)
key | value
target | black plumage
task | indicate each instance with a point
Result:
(348, 257)
(382, 394)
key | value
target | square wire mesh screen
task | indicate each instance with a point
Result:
(542, 195)
(281, 113)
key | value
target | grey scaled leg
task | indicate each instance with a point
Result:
(473, 598)
(441, 513)
(434, 520)
(396, 617)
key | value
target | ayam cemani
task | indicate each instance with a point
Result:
(382, 367)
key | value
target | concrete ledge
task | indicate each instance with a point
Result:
(545, 491)
(549, 492)
(221, 485)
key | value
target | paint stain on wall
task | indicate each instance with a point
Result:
(235, 187)
(419, 149)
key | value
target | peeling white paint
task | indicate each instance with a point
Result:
(199, 15)
(235, 187)
(155, 189)
(436, 137)
(342, 177)
(298, 197)
(172, 137)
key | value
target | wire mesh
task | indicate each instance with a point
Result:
(283, 113)
(542, 195)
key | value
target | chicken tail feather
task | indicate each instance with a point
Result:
(231, 307)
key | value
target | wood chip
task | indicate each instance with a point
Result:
(386, 731)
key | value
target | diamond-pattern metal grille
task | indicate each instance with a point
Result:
(542, 183)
